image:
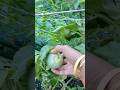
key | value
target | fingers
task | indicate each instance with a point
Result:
(65, 61)
(58, 72)
(62, 70)
(58, 48)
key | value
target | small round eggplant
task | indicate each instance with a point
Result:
(54, 60)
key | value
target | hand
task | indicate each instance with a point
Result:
(65, 69)
(71, 55)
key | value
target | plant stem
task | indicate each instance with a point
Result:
(69, 81)
(54, 86)
(70, 11)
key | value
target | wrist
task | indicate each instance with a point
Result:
(79, 68)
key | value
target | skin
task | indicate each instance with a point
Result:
(93, 71)
(71, 55)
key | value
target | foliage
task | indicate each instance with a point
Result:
(54, 38)
(53, 26)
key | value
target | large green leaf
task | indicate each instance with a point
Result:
(67, 30)
(44, 51)
(69, 27)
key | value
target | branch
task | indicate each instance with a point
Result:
(42, 14)
(69, 19)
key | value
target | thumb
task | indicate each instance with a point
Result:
(58, 72)
(58, 48)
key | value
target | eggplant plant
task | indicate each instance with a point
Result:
(45, 60)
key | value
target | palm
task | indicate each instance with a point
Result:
(66, 69)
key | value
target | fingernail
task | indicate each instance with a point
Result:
(52, 51)
(52, 70)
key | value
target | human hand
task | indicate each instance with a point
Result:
(71, 55)
(65, 69)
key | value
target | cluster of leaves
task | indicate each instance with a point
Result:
(43, 46)
(53, 29)
(102, 32)
(45, 6)
(55, 5)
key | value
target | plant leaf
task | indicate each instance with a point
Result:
(44, 51)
